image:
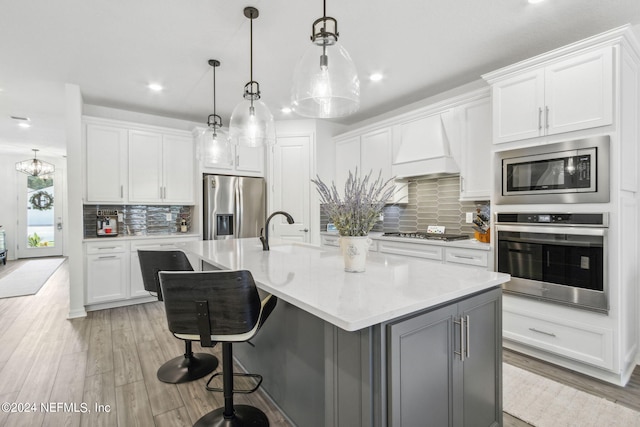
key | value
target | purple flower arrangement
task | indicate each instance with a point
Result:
(357, 212)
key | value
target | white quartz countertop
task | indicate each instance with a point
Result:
(313, 279)
(140, 237)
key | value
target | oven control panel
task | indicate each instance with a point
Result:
(597, 219)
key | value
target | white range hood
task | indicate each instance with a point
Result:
(424, 147)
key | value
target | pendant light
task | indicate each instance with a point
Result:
(325, 81)
(251, 121)
(216, 141)
(35, 167)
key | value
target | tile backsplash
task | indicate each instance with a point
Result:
(140, 220)
(431, 201)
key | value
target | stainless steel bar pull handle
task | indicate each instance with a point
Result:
(121, 191)
(539, 118)
(551, 334)
(546, 116)
(461, 353)
(467, 329)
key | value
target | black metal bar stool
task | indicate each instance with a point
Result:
(221, 306)
(191, 366)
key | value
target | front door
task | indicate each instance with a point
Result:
(290, 189)
(39, 215)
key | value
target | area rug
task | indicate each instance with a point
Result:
(543, 402)
(28, 278)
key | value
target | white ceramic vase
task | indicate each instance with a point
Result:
(354, 250)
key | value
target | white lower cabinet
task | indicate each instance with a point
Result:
(113, 271)
(107, 271)
(418, 250)
(576, 340)
(465, 257)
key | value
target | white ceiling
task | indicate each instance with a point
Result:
(112, 49)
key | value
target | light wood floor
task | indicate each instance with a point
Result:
(111, 358)
(108, 358)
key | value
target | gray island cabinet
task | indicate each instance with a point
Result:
(406, 343)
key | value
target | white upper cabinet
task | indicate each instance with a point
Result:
(248, 161)
(570, 94)
(106, 163)
(130, 163)
(178, 169)
(145, 167)
(160, 168)
(474, 121)
(579, 92)
(347, 160)
(369, 151)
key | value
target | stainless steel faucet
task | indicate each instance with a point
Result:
(265, 239)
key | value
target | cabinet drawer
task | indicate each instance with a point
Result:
(467, 257)
(156, 245)
(411, 249)
(330, 240)
(109, 247)
(574, 340)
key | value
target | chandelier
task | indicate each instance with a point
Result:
(35, 167)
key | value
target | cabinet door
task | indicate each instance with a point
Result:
(518, 106)
(347, 160)
(375, 153)
(579, 92)
(177, 170)
(145, 167)
(250, 159)
(107, 277)
(106, 158)
(482, 367)
(421, 363)
(475, 171)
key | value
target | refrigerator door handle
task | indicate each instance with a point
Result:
(239, 214)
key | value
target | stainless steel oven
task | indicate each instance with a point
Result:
(567, 172)
(560, 258)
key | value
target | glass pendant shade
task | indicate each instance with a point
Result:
(35, 167)
(325, 81)
(217, 148)
(252, 124)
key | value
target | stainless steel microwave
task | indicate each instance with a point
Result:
(566, 172)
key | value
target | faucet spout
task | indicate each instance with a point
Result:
(264, 239)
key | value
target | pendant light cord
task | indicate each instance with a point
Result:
(214, 90)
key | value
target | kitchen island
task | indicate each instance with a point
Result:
(406, 342)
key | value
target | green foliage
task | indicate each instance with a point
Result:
(358, 211)
(38, 182)
(34, 240)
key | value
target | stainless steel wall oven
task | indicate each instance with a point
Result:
(560, 258)
(566, 172)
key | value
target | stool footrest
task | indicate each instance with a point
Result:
(257, 377)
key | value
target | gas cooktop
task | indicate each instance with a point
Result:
(428, 236)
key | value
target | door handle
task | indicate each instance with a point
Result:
(306, 230)
(539, 118)
(546, 116)
(59, 226)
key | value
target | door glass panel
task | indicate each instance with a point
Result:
(40, 212)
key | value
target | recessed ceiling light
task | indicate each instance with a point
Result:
(375, 77)
(155, 87)
(535, 1)
(24, 125)
(286, 110)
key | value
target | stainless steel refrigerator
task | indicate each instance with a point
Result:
(234, 206)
